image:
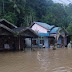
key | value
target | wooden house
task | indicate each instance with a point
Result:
(24, 33)
(12, 37)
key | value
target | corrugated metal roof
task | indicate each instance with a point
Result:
(26, 32)
(45, 25)
(54, 30)
(7, 23)
(18, 29)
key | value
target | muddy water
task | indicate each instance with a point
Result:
(40, 60)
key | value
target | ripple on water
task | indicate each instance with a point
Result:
(62, 69)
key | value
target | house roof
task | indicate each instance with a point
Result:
(27, 32)
(10, 29)
(45, 25)
(54, 30)
(7, 23)
(6, 28)
(50, 28)
(18, 29)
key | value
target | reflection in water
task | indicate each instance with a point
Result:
(61, 69)
(41, 60)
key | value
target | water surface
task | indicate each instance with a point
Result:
(40, 60)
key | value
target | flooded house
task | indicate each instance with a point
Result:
(49, 35)
(6, 34)
(13, 37)
(23, 34)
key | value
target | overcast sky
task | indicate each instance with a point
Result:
(63, 1)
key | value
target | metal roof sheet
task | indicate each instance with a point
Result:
(54, 30)
(45, 25)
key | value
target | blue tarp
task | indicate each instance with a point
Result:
(43, 34)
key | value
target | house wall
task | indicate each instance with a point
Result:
(59, 41)
(46, 42)
(39, 29)
(53, 35)
(9, 40)
(28, 42)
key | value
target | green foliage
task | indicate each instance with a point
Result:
(24, 12)
(69, 28)
(10, 17)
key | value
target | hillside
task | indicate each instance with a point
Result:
(24, 12)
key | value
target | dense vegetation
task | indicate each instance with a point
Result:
(24, 12)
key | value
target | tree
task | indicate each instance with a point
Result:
(11, 17)
(24, 12)
(69, 28)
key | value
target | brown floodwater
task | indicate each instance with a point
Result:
(40, 60)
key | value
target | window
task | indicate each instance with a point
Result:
(42, 42)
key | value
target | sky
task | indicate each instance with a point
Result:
(63, 1)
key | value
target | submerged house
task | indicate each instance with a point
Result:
(49, 34)
(13, 37)
(24, 33)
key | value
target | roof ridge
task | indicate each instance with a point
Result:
(5, 27)
(8, 22)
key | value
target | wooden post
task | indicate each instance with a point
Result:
(31, 43)
(24, 44)
(64, 42)
(19, 42)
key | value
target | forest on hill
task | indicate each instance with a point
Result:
(24, 12)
